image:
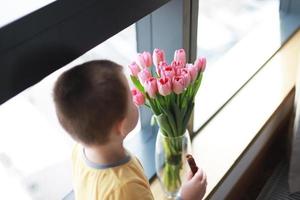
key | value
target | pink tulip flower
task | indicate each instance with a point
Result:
(144, 75)
(178, 84)
(160, 66)
(158, 56)
(134, 68)
(151, 87)
(138, 97)
(201, 64)
(140, 60)
(185, 73)
(164, 86)
(180, 56)
(177, 64)
(147, 58)
(168, 71)
(163, 64)
(193, 70)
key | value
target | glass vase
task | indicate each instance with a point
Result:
(170, 161)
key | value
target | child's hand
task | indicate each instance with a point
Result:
(195, 187)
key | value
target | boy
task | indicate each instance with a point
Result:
(94, 105)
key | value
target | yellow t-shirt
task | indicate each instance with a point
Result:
(124, 180)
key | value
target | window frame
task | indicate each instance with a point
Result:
(53, 31)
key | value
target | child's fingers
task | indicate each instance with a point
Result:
(199, 175)
(204, 179)
(190, 175)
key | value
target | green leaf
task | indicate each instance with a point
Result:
(164, 124)
(188, 114)
(197, 84)
(178, 118)
(170, 119)
(153, 105)
(137, 84)
(184, 99)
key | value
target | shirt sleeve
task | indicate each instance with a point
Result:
(132, 190)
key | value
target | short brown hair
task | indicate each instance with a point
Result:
(89, 99)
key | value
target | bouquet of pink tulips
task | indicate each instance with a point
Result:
(169, 91)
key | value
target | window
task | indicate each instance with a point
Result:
(223, 29)
(28, 121)
(12, 10)
(33, 146)
(223, 24)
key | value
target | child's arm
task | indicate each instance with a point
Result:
(195, 187)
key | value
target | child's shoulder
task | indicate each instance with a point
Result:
(75, 151)
(132, 181)
(135, 169)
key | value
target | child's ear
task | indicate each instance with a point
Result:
(121, 127)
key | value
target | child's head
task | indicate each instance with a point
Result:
(93, 101)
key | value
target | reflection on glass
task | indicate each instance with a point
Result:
(34, 150)
(229, 36)
(222, 24)
(15, 9)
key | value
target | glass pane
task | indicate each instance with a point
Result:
(222, 24)
(222, 27)
(34, 150)
(15, 9)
